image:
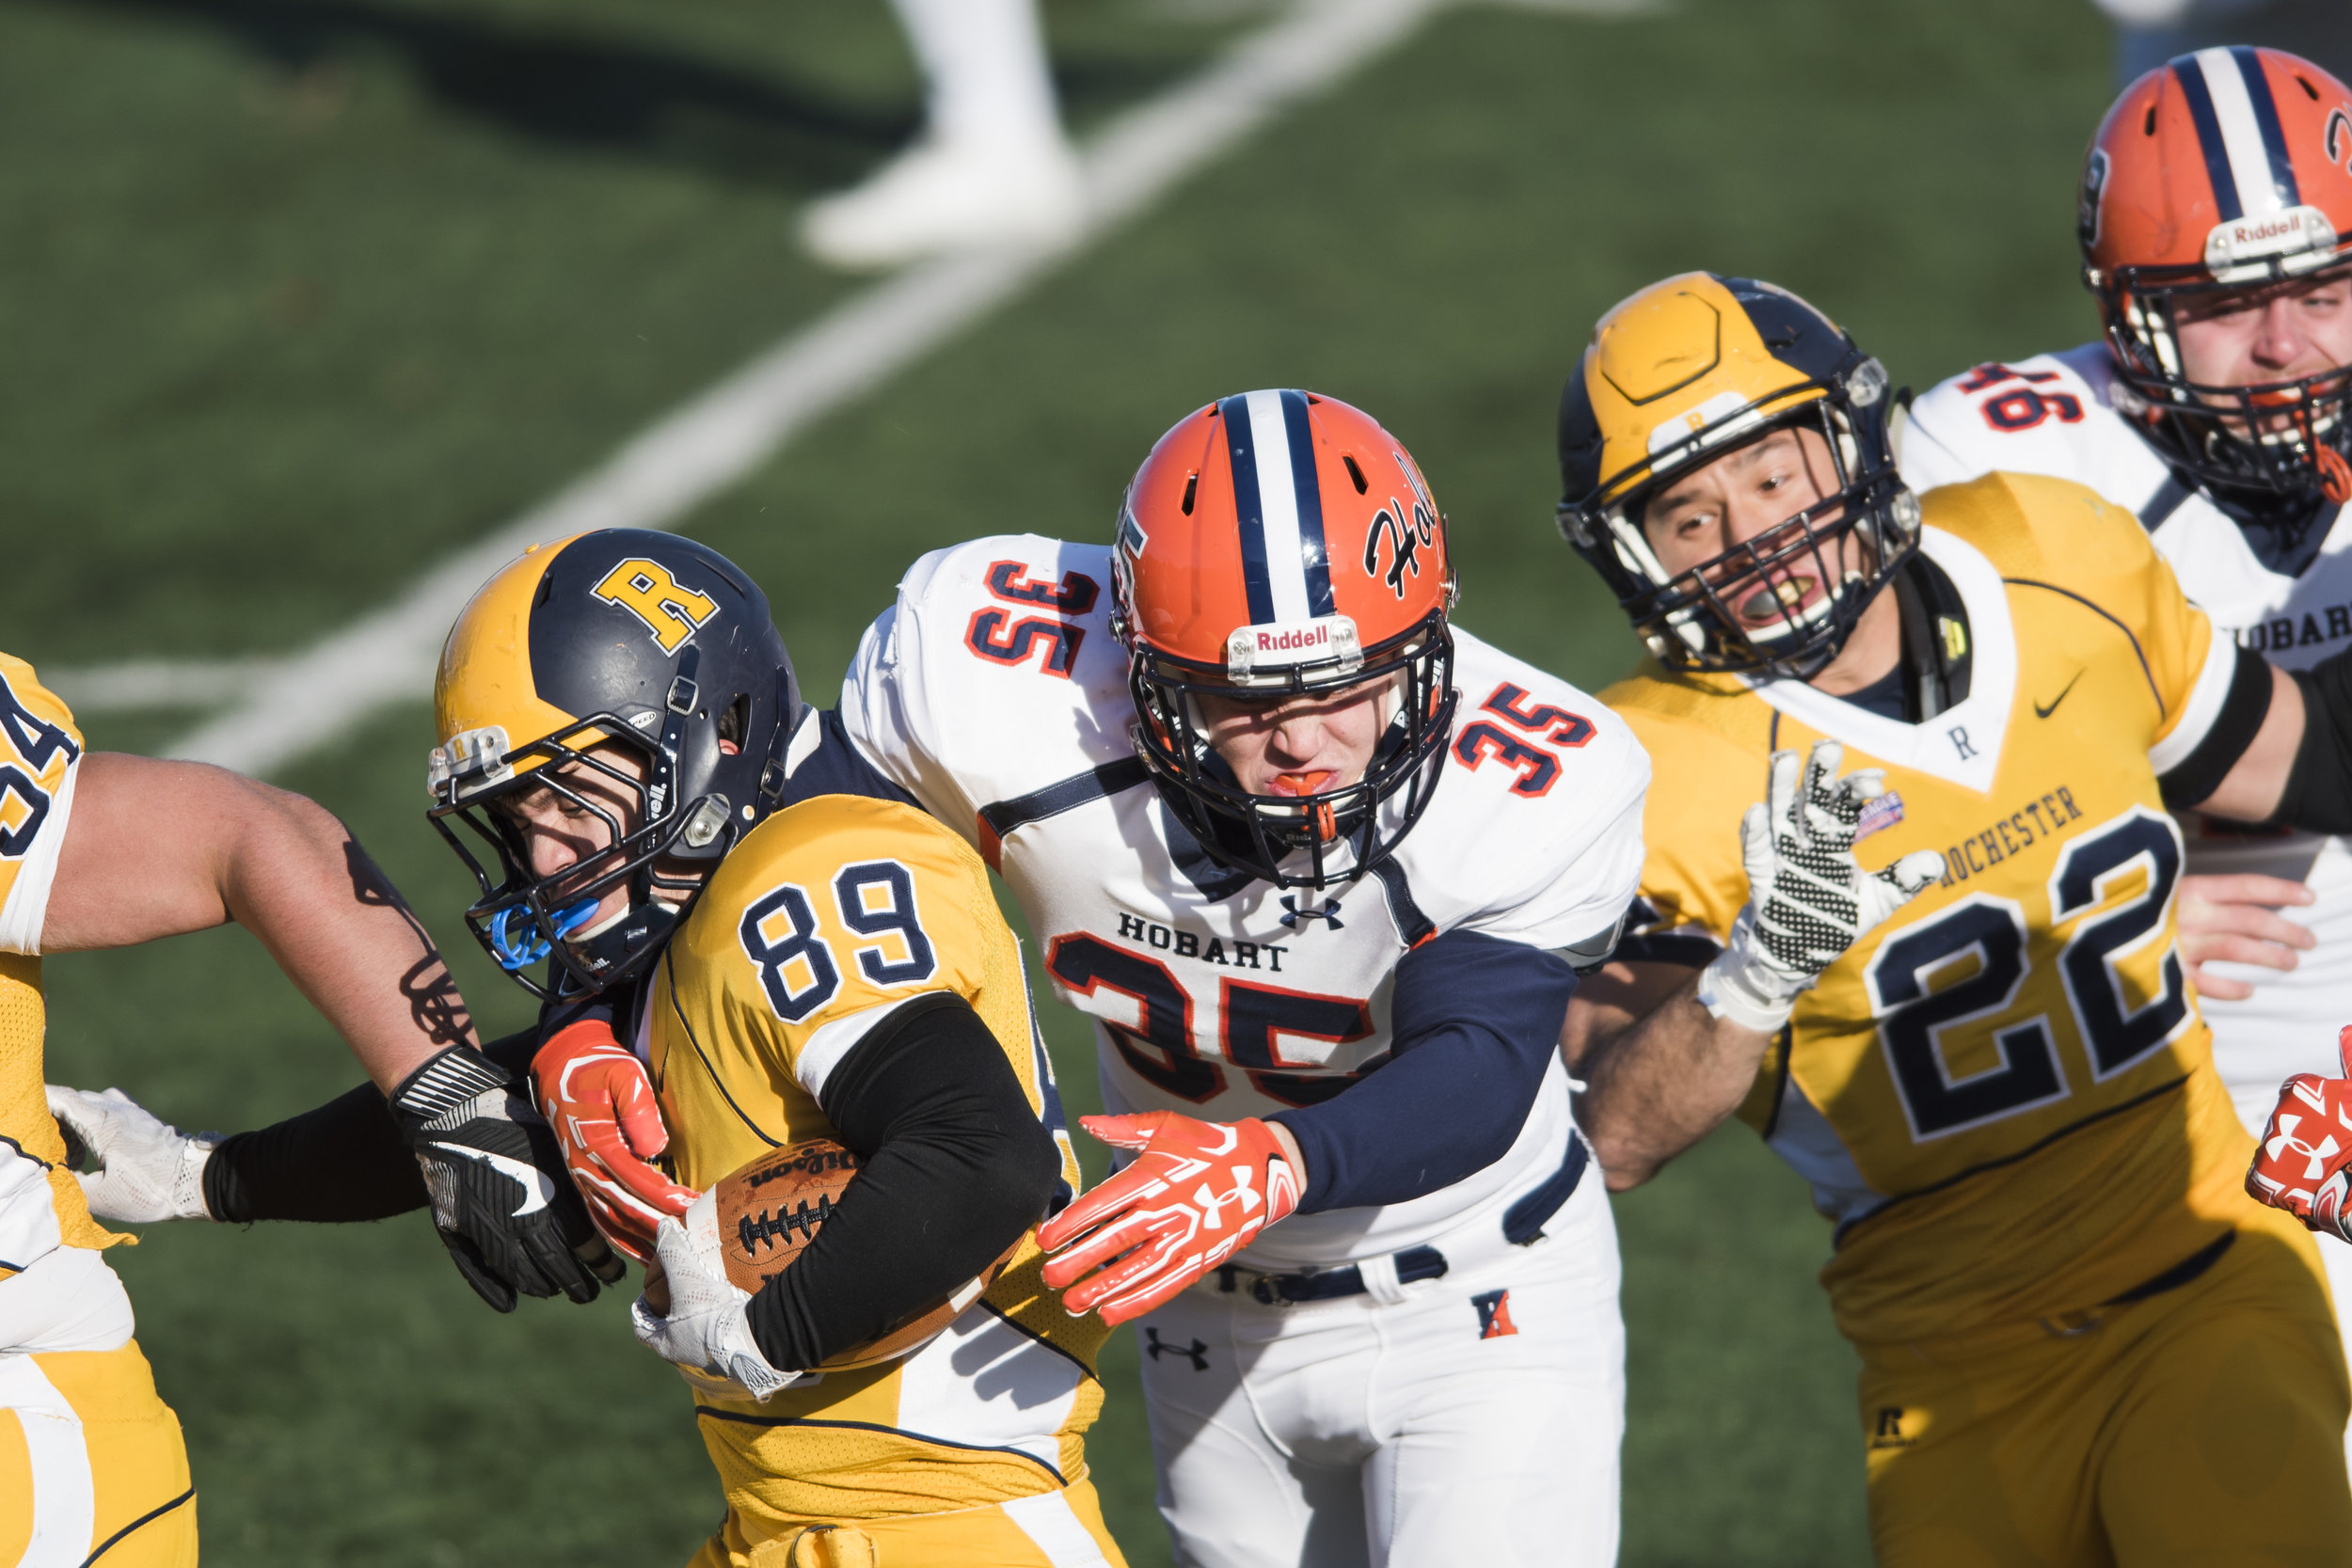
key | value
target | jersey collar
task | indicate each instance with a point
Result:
(1962, 744)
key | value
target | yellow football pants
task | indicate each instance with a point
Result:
(92, 1467)
(2203, 1425)
(1055, 1530)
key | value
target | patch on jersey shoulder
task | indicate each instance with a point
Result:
(1885, 811)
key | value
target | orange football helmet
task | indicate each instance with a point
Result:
(2228, 168)
(1277, 542)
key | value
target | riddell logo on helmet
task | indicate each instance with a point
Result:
(1270, 640)
(1326, 639)
(2298, 230)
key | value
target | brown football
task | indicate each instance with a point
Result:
(774, 1206)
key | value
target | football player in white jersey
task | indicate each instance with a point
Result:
(1327, 990)
(1321, 866)
(2214, 406)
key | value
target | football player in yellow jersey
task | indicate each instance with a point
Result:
(103, 850)
(2081, 1342)
(795, 950)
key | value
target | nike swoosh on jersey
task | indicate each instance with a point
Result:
(538, 1187)
(2040, 712)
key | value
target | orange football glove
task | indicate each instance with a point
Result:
(595, 1093)
(2306, 1145)
(1198, 1193)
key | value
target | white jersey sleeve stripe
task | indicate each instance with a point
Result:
(830, 1042)
(2204, 705)
(28, 907)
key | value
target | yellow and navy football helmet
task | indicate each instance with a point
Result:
(619, 637)
(1674, 377)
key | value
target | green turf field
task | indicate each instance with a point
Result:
(298, 294)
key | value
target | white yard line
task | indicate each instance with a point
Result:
(287, 708)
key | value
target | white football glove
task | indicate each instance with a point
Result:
(708, 1333)
(147, 1170)
(1808, 898)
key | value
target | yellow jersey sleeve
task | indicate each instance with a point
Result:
(1703, 781)
(42, 1205)
(39, 749)
(2071, 541)
(829, 914)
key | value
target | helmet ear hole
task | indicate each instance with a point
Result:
(734, 719)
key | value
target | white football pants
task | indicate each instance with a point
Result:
(2255, 1104)
(1441, 1428)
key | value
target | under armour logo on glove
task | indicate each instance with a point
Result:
(2299, 1164)
(2314, 1160)
(1198, 1193)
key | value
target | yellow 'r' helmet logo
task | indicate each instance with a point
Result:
(646, 590)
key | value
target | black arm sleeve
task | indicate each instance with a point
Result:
(956, 1166)
(343, 1161)
(2244, 708)
(2319, 795)
(1477, 1023)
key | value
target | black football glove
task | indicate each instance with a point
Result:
(504, 1206)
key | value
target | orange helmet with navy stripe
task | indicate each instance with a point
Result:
(2227, 169)
(1274, 543)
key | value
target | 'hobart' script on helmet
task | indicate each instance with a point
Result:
(1406, 533)
(2301, 234)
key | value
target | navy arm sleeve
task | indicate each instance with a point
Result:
(1476, 1021)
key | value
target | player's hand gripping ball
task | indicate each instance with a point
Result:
(760, 1220)
(595, 1093)
(2301, 1163)
(1198, 1193)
